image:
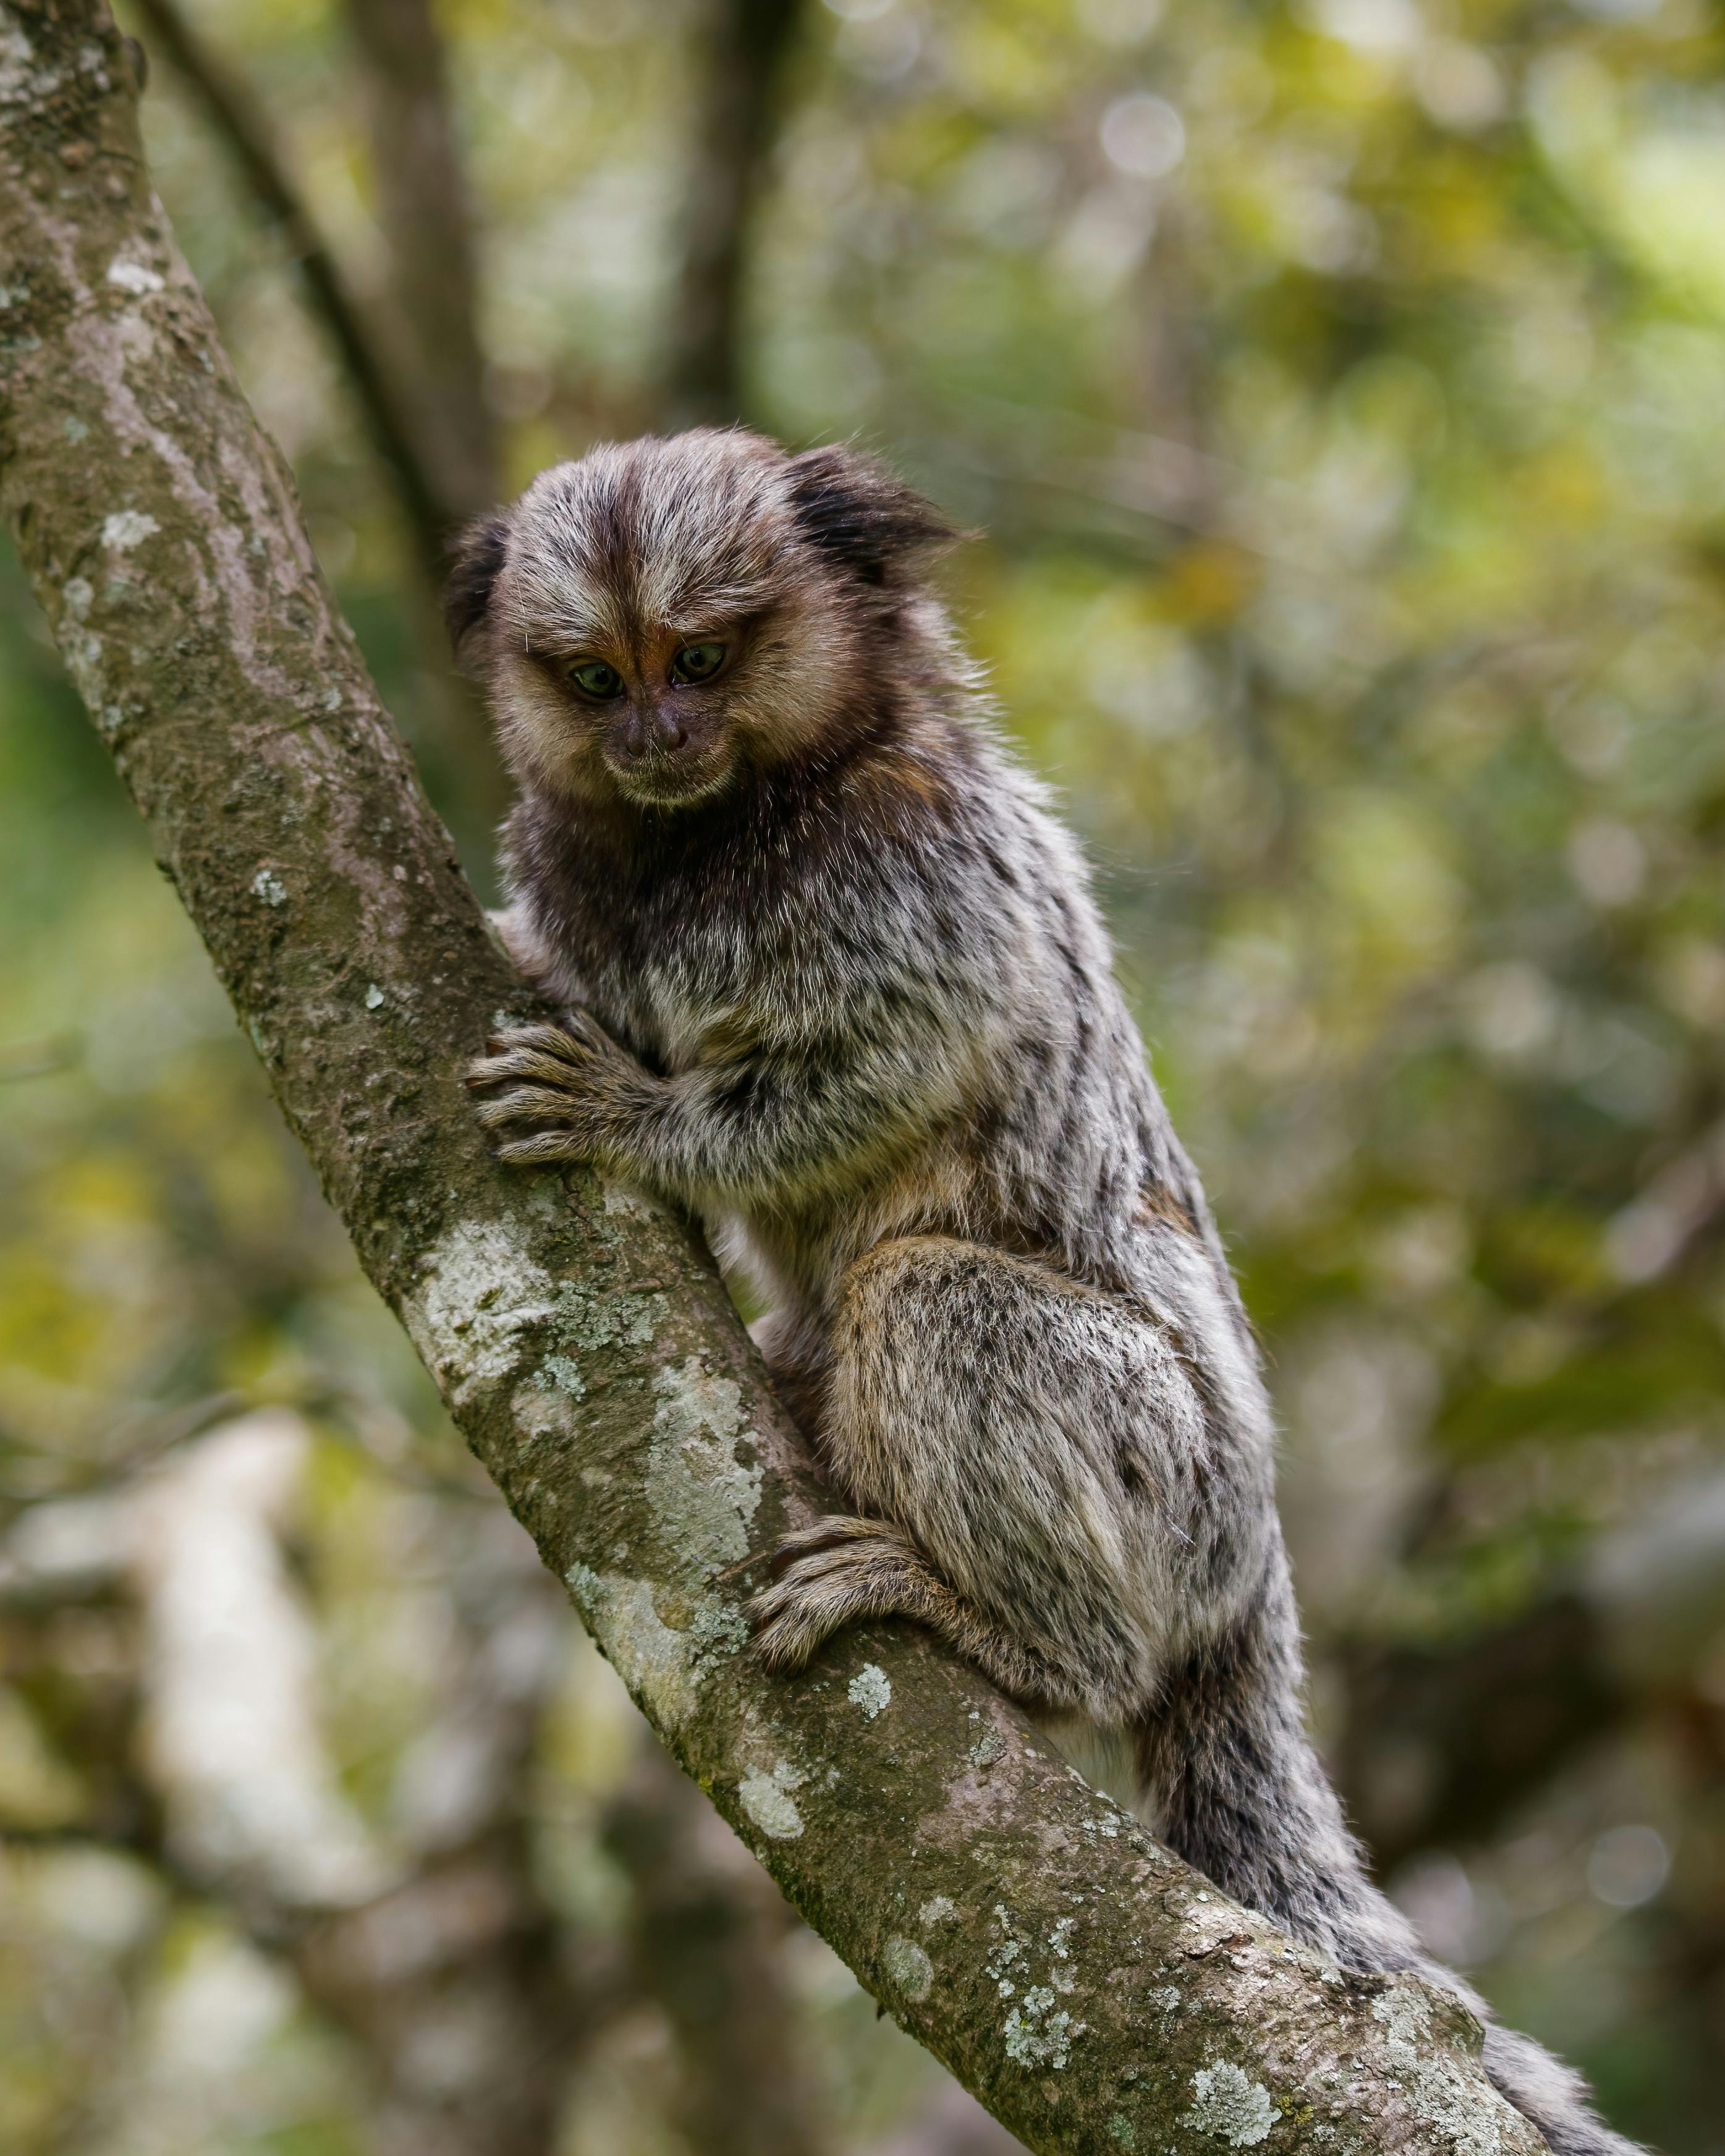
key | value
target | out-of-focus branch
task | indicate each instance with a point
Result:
(427, 314)
(1094, 1991)
(430, 1946)
(1439, 1746)
(739, 71)
(1441, 1742)
(424, 210)
(707, 1930)
(430, 510)
(1678, 1210)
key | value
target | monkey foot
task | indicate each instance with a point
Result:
(834, 1572)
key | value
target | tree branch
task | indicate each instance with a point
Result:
(740, 61)
(387, 1934)
(432, 509)
(427, 219)
(1095, 1993)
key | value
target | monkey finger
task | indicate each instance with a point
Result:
(822, 1594)
(787, 1637)
(830, 1532)
(489, 1071)
(584, 1028)
(555, 1042)
(872, 1557)
(784, 1648)
(819, 1593)
(547, 1145)
(527, 1062)
(525, 1103)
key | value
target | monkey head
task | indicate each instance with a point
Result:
(659, 617)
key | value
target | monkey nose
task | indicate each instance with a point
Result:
(653, 732)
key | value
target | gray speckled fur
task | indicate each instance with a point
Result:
(855, 1006)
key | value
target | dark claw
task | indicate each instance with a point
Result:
(494, 1046)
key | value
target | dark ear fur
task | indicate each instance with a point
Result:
(862, 515)
(474, 561)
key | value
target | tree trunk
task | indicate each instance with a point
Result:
(1093, 1991)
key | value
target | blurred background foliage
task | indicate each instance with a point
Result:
(1336, 387)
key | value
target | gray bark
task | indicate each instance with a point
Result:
(1094, 1992)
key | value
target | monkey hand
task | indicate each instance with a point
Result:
(562, 1092)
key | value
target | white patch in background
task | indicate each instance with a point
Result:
(230, 1730)
(1142, 135)
(1627, 1866)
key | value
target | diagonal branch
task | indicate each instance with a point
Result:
(426, 213)
(432, 511)
(1093, 1991)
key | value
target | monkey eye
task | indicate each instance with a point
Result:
(594, 678)
(697, 662)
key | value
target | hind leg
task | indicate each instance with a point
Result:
(843, 1570)
(1013, 1442)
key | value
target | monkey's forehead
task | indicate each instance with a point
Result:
(686, 533)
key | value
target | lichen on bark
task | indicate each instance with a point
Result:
(1094, 1992)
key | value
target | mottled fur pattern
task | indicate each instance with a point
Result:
(838, 983)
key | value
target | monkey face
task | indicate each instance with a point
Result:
(604, 703)
(661, 617)
(650, 716)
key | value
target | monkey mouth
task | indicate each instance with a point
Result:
(675, 780)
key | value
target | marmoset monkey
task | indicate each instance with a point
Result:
(838, 983)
